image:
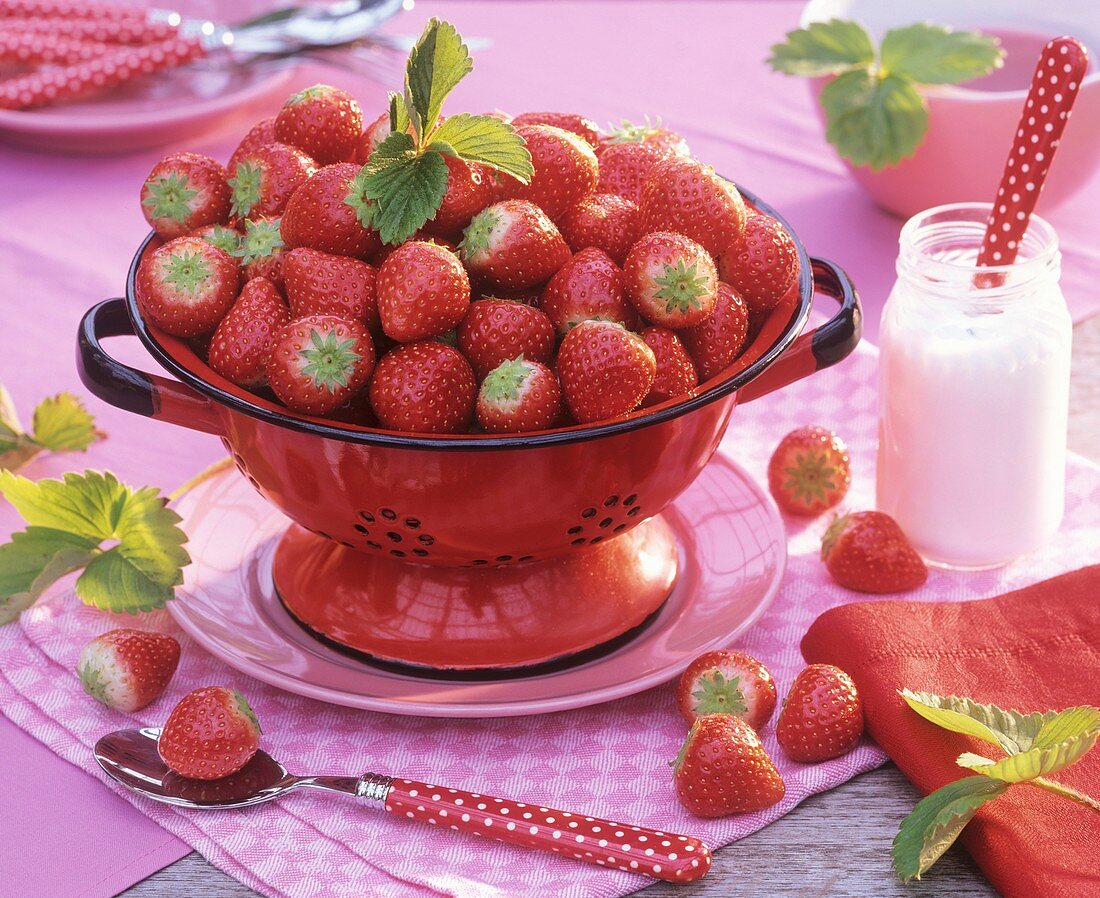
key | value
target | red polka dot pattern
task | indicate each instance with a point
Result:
(119, 31)
(31, 48)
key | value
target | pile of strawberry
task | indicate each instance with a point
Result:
(558, 274)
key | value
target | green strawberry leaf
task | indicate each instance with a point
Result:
(936, 822)
(485, 139)
(875, 120)
(1066, 792)
(111, 582)
(437, 62)
(62, 424)
(34, 559)
(1027, 765)
(824, 48)
(407, 188)
(399, 114)
(932, 54)
(10, 427)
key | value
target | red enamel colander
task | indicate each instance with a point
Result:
(473, 551)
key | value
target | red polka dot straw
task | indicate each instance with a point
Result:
(1054, 87)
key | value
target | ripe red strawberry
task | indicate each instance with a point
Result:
(185, 191)
(261, 250)
(519, 396)
(715, 343)
(243, 340)
(687, 197)
(210, 734)
(128, 669)
(725, 682)
(809, 471)
(320, 216)
(584, 128)
(495, 330)
(589, 287)
(261, 133)
(187, 285)
(605, 221)
(326, 122)
(424, 387)
(319, 362)
(605, 370)
(468, 192)
(513, 245)
(379, 258)
(262, 180)
(372, 136)
(868, 552)
(822, 715)
(625, 167)
(671, 280)
(676, 373)
(761, 266)
(320, 283)
(221, 236)
(723, 769)
(651, 135)
(566, 170)
(423, 291)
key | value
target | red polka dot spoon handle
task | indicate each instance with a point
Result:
(1054, 87)
(617, 846)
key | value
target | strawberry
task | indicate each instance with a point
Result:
(605, 221)
(822, 715)
(187, 285)
(718, 340)
(761, 266)
(319, 283)
(128, 669)
(424, 387)
(650, 135)
(513, 245)
(809, 471)
(723, 769)
(324, 121)
(687, 197)
(243, 340)
(224, 238)
(584, 128)
(495, 330)
(261, 133)
(566, 170)
(319, 362)
(868, 552)
(372, 136)
(210, 734)
(625, 167)
(261, 250)
(518, 396)
(671, 280)
(605, 370)
(324, 214)
(423, 291)
(422, 236)
(676, 373)
(185, 191)
(589, 287)
(262, 180)
(469, 191)
(726, 682)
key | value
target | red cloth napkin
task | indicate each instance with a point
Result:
(1035, 649)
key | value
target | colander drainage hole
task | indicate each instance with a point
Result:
(393, 536)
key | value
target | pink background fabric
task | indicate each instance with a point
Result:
(69, 228)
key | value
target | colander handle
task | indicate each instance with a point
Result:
(821, 347)
(128, 388)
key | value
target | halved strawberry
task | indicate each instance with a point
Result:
(128, 669)
(423, 291)
(687, 197)
(589, 287)
(605, 371)
(809, 471)
(717, 341)
(566, 170)
(324, 213)
(513, 245)
(261, 250)
(261, 133)
(822, 715)
(868, 552)
(210, 734)
(319, 362)
(262, 180)
(320, 283)
(518, 396)
(495, 330)
(762, 265)
(676, 375)
(468, 192)
(671, 280)
(324, 121)
(650, 134)
(186, 286)
(583, 127)
(183, 192)
(243, 340)
(424, 387)
(625, 167)
(727, 682)
(605, 221)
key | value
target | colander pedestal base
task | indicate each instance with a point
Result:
(476, 618)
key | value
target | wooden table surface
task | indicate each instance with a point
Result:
(834, 845)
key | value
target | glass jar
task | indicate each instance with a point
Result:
(974, 392)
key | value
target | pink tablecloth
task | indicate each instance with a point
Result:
(70, 225)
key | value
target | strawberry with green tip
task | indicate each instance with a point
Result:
(513, 245)
(605, 221)
(518, 396)
(762, 266)
(716, 343)
(605, 371)
(809, 471)
(319, 362)
(184, 192)
(245, 337)
(822, 715)
(128, 669)
(583, 127)
(653, 135)
(727, 682)
(212, 733)
(676, 375)
(469, 190)
(496, 330)
(589, 287)
(425, 387)
(423, 291)
(566, 170)
(687, 197)
(262, 180)
(324, 121)
(671, 280)
(324, 213)
(320, 283)
(224, 238)
(373, 135)
(186, 286)
(867, 551)
(261, 250)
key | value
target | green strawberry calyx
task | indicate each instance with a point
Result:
(681, 756)
(186, 271)
(330, 360)
(717, 695)
(475, 239)
(810, 477)
(316, 92)
(225, 239)
(505, 382)
(261, 240)
(832, 534)
(93, 682)
(245, 185)
(246, 709)
(629, 132)
(170, 197)
(681, 286)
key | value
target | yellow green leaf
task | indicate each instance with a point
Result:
(1011, 730)
(1034, 762)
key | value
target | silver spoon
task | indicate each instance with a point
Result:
(131, 758)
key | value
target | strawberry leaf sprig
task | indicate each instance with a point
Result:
(1035, 746)
(59, 424)
(874, 114)
(403, 184)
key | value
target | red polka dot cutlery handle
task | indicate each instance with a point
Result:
(76, 9)
(618, 846)
(129, 31)
(29, 48)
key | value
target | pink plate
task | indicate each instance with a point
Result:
(733, 554)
